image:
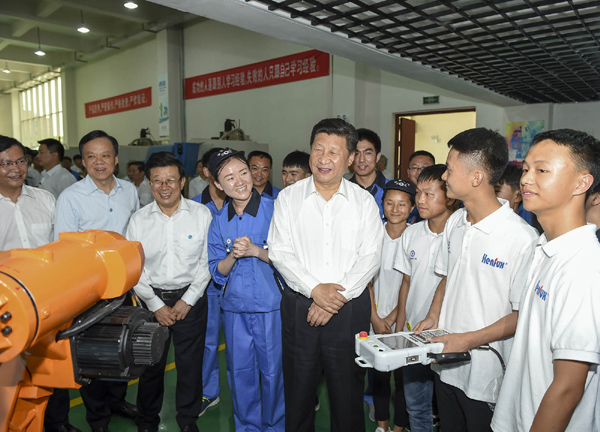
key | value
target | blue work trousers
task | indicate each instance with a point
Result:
(210, 367)
(254, 363)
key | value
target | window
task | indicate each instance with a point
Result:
(41, 113)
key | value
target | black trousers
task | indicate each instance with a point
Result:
(100, 399)
(188, 341)
(57, 410)
(459, 413)
(382, 392)
(309, 350)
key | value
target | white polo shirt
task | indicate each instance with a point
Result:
(386, 284)
(486, 266)
(28, 222)
(559, 320)
(416, 257)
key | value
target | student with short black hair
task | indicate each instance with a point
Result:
(552, 380)
(260, 164)
(416, 256)
(509, 188)
(251, 297)
(398, 201)
(366, 175)
(484, 262)
(295, 167)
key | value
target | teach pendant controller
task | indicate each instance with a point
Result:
(389, 352)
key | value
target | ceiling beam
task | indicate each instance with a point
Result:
(49, 40)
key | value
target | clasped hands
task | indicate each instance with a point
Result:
(167, 316)
(243, 247)
(328, 300)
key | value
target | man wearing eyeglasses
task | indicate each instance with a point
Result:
(102, 202)
(173, 232)
(27, 215)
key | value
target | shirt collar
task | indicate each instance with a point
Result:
(205, 198)
(311, 188)
(184, 205)
(268, 190)
(379, 181)
(251, 207)
(90, 187)
(491, 221)
(568, 241)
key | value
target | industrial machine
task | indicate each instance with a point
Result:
(63, 323)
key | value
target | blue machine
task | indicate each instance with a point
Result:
(186, 152)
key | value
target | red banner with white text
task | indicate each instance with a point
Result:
(125, 102)
(295, 67)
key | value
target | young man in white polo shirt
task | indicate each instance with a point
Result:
(484, 261)
(552, 381)
(415, 258)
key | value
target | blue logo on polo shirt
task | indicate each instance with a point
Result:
(412, 255)
(493, 262)
(539, 291)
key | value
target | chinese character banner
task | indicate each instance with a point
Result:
(295, 67)
(125, 102)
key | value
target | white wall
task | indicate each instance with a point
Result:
(281, 115)
(579, 116)
(6, 122)
(126, 71)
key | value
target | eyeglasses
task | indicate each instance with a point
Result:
(159, 183)
(416, 168)
(9, 163)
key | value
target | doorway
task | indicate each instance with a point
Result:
(429, 131)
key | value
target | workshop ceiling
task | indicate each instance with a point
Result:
(112, 27)
(529, 51)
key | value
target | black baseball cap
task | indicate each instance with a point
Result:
(401, 185)
(217, 158)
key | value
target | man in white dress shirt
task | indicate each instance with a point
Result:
(173, 232)
(27, 215)
(325, 239)
(55, 178)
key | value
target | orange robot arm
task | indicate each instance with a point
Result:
(41, 291)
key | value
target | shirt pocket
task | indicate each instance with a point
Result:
(191, 243)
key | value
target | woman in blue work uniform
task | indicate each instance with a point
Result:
(238, 260)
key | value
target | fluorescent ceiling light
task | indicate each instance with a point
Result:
(130, 5)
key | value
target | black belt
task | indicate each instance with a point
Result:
(165, 295)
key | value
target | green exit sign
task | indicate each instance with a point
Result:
(428, 100)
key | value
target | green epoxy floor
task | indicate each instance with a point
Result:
(216, 419)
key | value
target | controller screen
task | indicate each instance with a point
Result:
(396, 342)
